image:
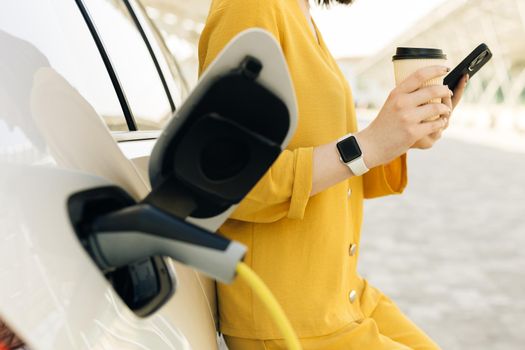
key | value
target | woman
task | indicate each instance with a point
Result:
(301, 223)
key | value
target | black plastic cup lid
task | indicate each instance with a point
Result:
(410, 53)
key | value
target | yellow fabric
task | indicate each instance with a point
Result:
(386, 328)
(298, 244)
(272, 305)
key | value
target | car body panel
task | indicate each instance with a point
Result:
(54, 142)
(56, 298)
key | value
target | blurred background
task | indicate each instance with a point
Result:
(449, 250)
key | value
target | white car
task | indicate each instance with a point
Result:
(85, 89)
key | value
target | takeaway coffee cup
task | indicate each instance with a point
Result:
(409, 59)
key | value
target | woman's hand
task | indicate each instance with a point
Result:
(451, 102)
(399, 124)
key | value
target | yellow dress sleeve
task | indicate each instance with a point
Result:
(285, 189)
(386, 179)
(282, 192)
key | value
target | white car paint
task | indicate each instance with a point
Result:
(52, 144)
(55, 297)
(51, 293)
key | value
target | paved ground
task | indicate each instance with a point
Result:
(451, 249)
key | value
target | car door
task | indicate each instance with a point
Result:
(153, 86)
(52, 295)
(60, 92)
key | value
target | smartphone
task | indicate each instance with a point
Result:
(470, 65)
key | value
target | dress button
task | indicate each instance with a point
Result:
(352, 249)
(349, 193)
(352, 295)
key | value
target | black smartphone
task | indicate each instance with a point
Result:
(470, 65)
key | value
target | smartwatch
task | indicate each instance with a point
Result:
(350, 153)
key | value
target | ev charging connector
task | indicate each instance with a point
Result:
(209, 156)
(142, 231)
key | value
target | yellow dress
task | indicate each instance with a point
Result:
(305, 248)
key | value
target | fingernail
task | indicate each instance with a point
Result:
(467, 79)
(451, 93)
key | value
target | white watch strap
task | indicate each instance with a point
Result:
(357, 166)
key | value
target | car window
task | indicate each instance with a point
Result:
(140, 80)
(57, 32)
(179, 30)
(170, 66)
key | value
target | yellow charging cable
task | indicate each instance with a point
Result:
(276, 312)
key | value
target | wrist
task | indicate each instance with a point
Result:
(367, 145)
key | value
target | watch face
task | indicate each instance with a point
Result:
(349, 149)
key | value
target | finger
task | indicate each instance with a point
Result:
(427, 128)
(428, 93)
(436, 135)
(424, 143)
(460, 89)
(430, 110)
(447, 121)
(428, 141)
(448, 101)
(420, 77)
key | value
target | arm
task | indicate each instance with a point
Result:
(300, 173)
(398, 126)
